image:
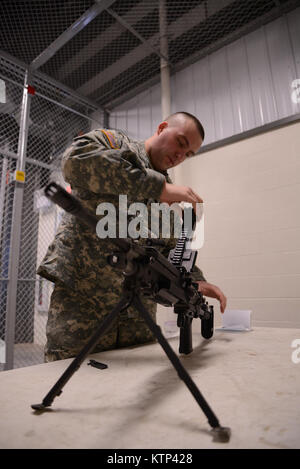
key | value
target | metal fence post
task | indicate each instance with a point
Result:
(16, 228)
(2, 190)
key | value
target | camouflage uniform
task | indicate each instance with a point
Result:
(99, 166)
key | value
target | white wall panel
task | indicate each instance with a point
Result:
(293, 25)
(132, 119)
(155, 107)
(139, 116)
(293, 20)
(220, 83)
(183, 91)
(118, 120)
(240, 87)
(144, 116)
(282, 65)
(260, 76)
(203, 98)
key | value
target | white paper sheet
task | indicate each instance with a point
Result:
(236, 320)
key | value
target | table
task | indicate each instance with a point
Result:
(248, 378)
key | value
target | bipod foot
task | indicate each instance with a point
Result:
(221, 434)
(40, 408)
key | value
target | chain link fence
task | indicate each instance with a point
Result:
(55, 119)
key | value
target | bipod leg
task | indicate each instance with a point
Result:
(221, 434)
(56, 390)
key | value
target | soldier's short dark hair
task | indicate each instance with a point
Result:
(193, 118)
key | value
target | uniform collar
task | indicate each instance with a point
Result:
(147, 160)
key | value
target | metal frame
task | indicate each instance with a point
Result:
(28, 160)
(16, 230)
(126, 25)
(69, 33)
(40, 77)
(49, 99)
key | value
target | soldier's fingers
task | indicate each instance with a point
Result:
(198, 198)
(223, 302)
(195, 196)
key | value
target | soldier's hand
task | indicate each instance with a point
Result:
(174, 193)
(212, 291)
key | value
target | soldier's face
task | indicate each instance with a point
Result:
(173, 143)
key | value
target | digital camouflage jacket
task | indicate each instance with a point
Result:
(99, 166)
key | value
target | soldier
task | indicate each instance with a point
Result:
(99, 166)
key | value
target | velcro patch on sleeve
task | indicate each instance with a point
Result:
(110, 139)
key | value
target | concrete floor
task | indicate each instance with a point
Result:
(248, 379)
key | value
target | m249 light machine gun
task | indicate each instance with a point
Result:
(146, 271)
(184, 260)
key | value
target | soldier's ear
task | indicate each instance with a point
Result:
(163, 125)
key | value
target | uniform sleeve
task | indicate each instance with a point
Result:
(197, 275)
(90, 165)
